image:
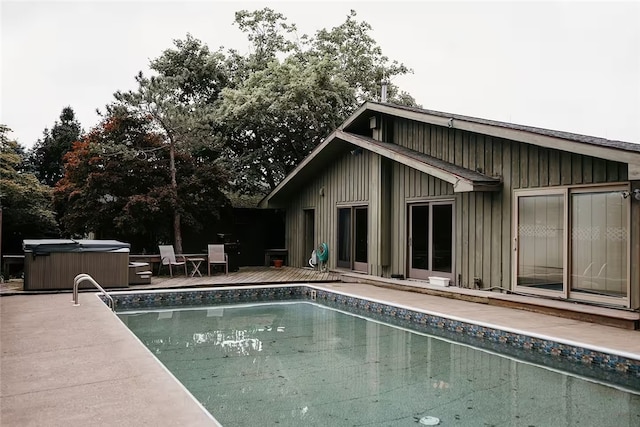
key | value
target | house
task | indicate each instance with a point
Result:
(407, 192)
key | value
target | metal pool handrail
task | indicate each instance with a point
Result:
(85, 277)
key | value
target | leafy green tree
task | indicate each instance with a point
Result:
(270, 36)
(359, 60)
(45, 158)
(277, 116)
(117, 184)
(178, 101)
(26, 204)
(356, 56)
(193, 71)
(284, 108)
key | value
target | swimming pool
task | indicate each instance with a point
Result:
(293, 361)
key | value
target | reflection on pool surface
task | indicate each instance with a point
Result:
(298, 363)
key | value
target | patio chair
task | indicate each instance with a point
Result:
(168, 257)
(217, 256)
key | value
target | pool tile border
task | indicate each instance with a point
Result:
(130, 300)
(484, 336)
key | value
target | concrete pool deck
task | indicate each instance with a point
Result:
(62, 365)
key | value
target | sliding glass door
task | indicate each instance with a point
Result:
(573, 243)
(430, 240)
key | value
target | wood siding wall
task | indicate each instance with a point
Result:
(345, 182)
(484, 220)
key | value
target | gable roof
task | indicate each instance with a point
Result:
(377, 106)
(343, 140)
(620, 151)
(340, 142)
(463, 179)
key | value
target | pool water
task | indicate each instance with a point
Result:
(299, 363)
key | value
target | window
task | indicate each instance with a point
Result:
(541, 241)
(599, 237)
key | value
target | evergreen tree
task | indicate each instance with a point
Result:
(45, 158)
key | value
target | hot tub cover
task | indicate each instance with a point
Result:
(47, 246)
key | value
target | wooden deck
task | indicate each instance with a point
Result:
(245, 276)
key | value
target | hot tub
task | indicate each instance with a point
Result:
(53, 263)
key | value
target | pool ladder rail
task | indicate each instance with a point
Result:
(85, 277)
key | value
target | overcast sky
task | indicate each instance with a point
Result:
(571, 66)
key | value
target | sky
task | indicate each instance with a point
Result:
(563, 65)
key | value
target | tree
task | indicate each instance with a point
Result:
(359, 60)
(26, 204)
(269, 34)
(277, 116)
(178, 103)
(197, 74)
(45, 158)
(284, 108)
(117, 185)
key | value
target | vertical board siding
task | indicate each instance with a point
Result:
(472, 252)
(523, 172)
(398, 225)
(576, 168)
(587, 170)
(505, 239)
(462, 235)
(346, 180)
(487, 238)
(534, 166)
(554, 168)
(565, 168)
(543, 165)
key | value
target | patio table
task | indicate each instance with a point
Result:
(195, 266)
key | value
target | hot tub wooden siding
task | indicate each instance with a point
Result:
(57, 270)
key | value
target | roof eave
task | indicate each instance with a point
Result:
(460, 184)
(631, 158)
(466, 186)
